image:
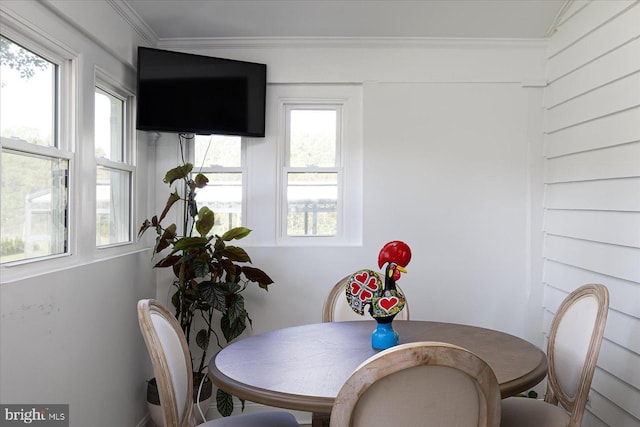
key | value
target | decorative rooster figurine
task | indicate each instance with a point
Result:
(366, 286)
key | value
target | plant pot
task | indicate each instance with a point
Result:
(153, 399)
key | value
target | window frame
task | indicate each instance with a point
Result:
(106, 83)
(286, 169)
(64, 125)
(350, 192)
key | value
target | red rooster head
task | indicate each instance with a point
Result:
(397, 254)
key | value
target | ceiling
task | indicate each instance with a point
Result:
(179, 19)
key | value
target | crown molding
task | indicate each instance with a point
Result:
(124, 9)
(195, 44)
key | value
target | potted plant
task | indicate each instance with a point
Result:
(210, 273)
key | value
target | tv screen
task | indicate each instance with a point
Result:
(181, 92)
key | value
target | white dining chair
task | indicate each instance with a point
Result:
(420, 384)
(172, 368)
(572, 352)
(336, 308)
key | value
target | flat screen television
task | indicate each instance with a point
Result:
(186, 93)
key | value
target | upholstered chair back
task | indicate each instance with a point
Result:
(574, 344)
(422, 384)
(171, 362)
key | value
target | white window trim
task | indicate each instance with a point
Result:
(66, 60)
(321, 105)
(40, 150)
(65, 130)
(350, 188)
(286, 169)
(110, 85)
(107, 83)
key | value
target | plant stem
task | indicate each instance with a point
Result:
(208, 321)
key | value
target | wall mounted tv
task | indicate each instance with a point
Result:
(186, 93)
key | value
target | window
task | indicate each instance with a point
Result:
(109, 126)
(114, 171)
(35, 157)
(304, 176)
(318, 199)
(312, 170)
(220, 159)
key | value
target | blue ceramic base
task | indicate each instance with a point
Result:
(384, 336)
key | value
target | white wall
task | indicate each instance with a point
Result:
(68, 328)
(592, 179)
(445, 170)
(71, 337)
(448, 128)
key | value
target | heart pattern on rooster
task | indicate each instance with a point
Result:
(361, 288)
(367, 278)
(387, 303)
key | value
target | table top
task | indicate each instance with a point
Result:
(304, 367)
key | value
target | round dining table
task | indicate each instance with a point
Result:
(304, 367)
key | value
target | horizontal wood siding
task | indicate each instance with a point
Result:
(613, 162)
(606, 131)
(605, 195)
(621, 228)
(612, 98)
(592, 188)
